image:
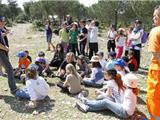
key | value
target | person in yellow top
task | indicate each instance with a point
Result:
(64, 37)
(153, 90)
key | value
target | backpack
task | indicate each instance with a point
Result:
(144, 37)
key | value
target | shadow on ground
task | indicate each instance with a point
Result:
(18, 105)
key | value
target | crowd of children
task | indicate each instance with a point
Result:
(75, 67)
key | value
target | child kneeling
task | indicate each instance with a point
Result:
(36, 87)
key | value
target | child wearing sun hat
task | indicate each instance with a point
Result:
(97, 77)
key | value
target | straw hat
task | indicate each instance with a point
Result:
(94, 59)
(130, 80)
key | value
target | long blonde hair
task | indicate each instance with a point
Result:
(71, 69)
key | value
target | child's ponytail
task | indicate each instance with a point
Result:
(119, 82)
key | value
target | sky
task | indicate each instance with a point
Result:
(85, 2)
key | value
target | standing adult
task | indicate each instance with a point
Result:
(4, 61)
(49, 33)
(136, 37)
(153, 90)
(111, 35)
(4, 31)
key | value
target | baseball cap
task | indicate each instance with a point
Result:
(21, 54)
(120, 62)
(130, 80)
(40, 60)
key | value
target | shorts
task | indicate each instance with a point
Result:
(49, 38)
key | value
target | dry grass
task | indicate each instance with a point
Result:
(61, 105)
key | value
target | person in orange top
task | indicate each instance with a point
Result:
(153, 90)
(23, 63)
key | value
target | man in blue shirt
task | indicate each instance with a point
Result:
(4, 61)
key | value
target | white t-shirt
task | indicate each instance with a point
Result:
(121, 41)
(115, 93)
(37, 89)
(135, 35)
(111, 35)
(130, 101)
(93, 35)
(103, 63)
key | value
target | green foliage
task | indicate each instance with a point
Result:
(38, 25)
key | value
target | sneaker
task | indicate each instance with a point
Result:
(81, 97)
(82, 107)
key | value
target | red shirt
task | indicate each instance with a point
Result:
(134, 62)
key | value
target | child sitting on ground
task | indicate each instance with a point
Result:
(121, 67)
(46, 71)
(97, 78)
(36, 87)
(23, 64)
(123, 109)
(113, 88)
(132, 63)
(84, 70)
(41, 63)
(72, 84)
(111, 61)
(62, 69)
(102, 60)
(59, 57)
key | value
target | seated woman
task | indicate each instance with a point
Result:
(62, 69)
(58, 57)
(84, 70)
(72, 84)
(97, 77)
(124, 109)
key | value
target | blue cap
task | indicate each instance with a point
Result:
(21, 54)
(2, 18)
(120, 62)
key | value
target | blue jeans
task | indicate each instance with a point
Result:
(91, 83)
(49, 38)
(4, 61)
(97, 105)
(23, 93)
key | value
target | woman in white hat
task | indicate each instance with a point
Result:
(97, 77)
(124, 109)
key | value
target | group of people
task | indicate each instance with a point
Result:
(118, 89)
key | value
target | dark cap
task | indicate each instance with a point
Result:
(138, 22)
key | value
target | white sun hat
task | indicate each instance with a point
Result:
(94, 59)
(130, 80)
